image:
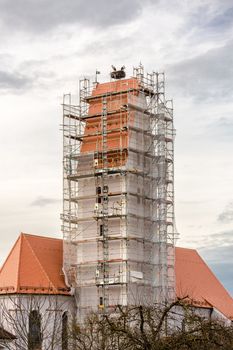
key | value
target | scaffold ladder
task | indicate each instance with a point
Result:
(103, 264)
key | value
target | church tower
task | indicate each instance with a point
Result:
(118, 197)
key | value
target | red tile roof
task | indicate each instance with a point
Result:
(34, 265)
(195, 280)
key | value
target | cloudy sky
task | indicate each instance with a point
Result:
(46, 46)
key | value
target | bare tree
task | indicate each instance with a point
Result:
(170, 327)
(36, 321)
(41, 323)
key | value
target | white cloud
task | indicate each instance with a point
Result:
(226, 216)
(39, 16)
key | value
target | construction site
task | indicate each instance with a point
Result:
(118, 192)
(118, 249)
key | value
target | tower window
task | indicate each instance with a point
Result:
(105, 189)
(98, 190)
(101, 230)
(138, 197)
(34, 334)
(65, 331)
(101, 301)
(98, 193)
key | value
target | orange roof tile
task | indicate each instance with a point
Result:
(195, 280)
(34, 265)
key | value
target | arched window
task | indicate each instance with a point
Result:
(34, 334)
(65, 331)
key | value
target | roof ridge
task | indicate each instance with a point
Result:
(40, 236)
(42, 268)
(19, 261)
(186, 248)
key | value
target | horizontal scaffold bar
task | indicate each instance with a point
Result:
(79, 265)
(166, 156)
(126, 108)
(127, 237)
(108, 94)
(116, 171)
(167, 137)
(99, 216)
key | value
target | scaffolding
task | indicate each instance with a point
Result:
(118, 194)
